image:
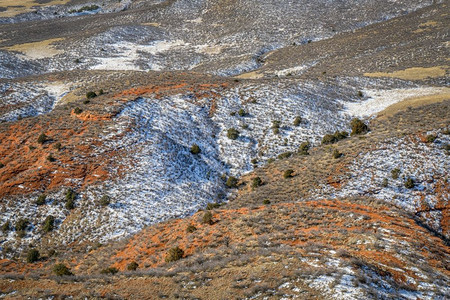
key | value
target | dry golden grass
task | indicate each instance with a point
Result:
(416, 102)
(15, 7)
(36, 50)
(413, 73)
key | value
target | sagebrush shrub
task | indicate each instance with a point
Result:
(32, 256)
(232, 134)
(132, 266)
(61, 270)
(288, 173)
(207, 218)
(174, 254)
(358, 127)
(195, 149)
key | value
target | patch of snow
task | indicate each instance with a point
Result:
(381, 99)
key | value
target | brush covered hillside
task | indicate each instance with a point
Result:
(223, 149)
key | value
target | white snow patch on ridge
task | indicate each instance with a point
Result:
(381, 99)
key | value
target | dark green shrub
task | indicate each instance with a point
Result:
(431, 138)
(49, 224)
(245, 126)
(70, 204)
(276, 130)
(360, 94)
(207, 218)
(70, 195)
(276, 124)
(22, 224)
(57, 146)
(336, 153)
(297, 121)
(77, 110)
(6, 227)
(61, 270)
(232, 182)
(86, 101)
(409, 183)
(110, 270)
(284, 155)
(42, 138)
(101, 92)
(211, 206)
(132, 266)
(1, 165)
(270, 160)
(266, 202)
(174, 254)
(333, 138)
(50, 158)
(233, 113)
(70, 199)
(256, 182)
(191, 228)
(254, 161)
(32, 256)
(41, 199)
(358, 127)
(90, 95)
(105, 200)
(304, 148)
(232, 134)
(385, 182)
(288, 173)
(195, 149)
(395, 173)
(242, 113)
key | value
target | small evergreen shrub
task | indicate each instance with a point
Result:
(42, 138)
(50, 158)
(77, 110)
(132, 266)
(256, 182)
(207, 218)
(195, 149)
(232, 182)
(270, 160)
(254, 161)
(191, 228)
(336, 154)
(284, 155)
(57, 146)
(61, 270)
(90, 95)
(385, 182)
(266, 202)
(32, 256)
(101, 92)
(105, 200)
(304, 148)
(276, 130)
(360, 94)
(409, 183)
(242, 113)
(358, 127)
(288, 173)
(297, 121)
(276, 124)
(334, 138)
(431, 138)
(70, 199)
(41, 199)
(395, 173)
(1, 165)
(174, 254)
(49, 224)
(232, 134)
(110, 270)
(22, 224)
